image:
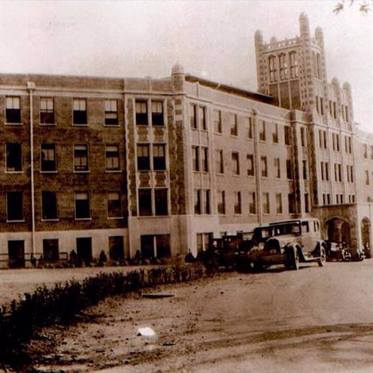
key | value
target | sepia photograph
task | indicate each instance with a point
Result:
(186, 186)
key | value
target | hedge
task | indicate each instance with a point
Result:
(20, 320)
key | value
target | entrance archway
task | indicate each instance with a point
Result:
(339, 230)
(365, 236)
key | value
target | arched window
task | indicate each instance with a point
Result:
(272, 68)
(283, 66)
(293, 65)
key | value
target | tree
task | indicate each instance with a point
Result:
(364, 6)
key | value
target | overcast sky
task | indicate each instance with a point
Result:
(213, 39)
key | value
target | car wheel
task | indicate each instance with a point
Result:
(322, 259)
(295, 259)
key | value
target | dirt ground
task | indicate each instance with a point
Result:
(311, 320)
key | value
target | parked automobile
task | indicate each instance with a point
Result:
(285, 242)
(337, 251)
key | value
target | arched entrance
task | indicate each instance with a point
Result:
(339, 230)
(365, 236)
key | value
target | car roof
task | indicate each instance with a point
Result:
(291, 221)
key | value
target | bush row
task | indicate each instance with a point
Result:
(60, 304)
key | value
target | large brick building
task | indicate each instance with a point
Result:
(162, 165)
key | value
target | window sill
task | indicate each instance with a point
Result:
(48, 124)
(80, 125)
(13, 124)
(154, 216)
(251, 175)
(112, 125)
(82, 172)
(48, 172)
(14, 172)
(83, 219)
(115, 217)
(113, 171)
(218, 133)
(50, 220)
(16, 221)
(142, 125)
(159, 125)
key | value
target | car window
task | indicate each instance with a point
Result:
(295, 229)
(305, 227)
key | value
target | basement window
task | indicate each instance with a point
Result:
(13, 110)
(13, 157)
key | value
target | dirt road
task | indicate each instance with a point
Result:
(311, 320)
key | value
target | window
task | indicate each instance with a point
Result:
(277, 168)
(303, 136)
(82, 209)
(145, 202)
(321, 105)
(46, 111)
(236, 163)
(275, 134)
(80, 111)
(195, 158)
(305, 171)
(112, 157)
(197, 202)
(111, 112)
(293, 65)
(287, 134)
(161, 201)
(371, 150)
(234, 124)
(159, 157)
(272, 68)
(49, 205)
(266, 207)
(219, 161)
(278, 203)
(202, 118)
(205, 158)
(327, 171)
(250, 133)
(264, 166)
(114, 205)
(193, 116)
(262, 131)
(207, 205)
(365, 151)
(13, 157)
(283, 66)
(143, 157)
(291, 203)
(252, 203)
(141, 113)
(237, 203)
(306, 203)
(14, 204)
(217, 121)
(157, 113)
(250, 165)
(366, 177)
(13, 110)
(221, 202)
(81, 158)
(322, 170)
(289, 169)
(50, 250)
(48, 158)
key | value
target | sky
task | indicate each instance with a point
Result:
(211, 39)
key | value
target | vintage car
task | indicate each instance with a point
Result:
(285, 242)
